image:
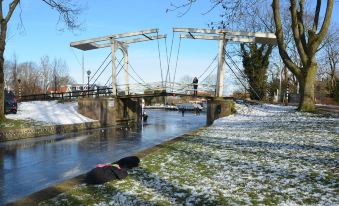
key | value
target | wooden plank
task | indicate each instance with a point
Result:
(144, 39)
(198, 30)
(227, 32)
(114, 36)
(233, 39)
(206, 37)
(130, 41)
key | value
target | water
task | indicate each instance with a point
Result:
(27, 166)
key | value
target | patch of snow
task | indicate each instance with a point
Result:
(263, 154)
(49, 112)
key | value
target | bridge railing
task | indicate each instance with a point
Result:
(179, 88)
(67, 95)
(132, 89)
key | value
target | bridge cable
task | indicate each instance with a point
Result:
(100, 66)
(236, 75)
(236, 66)
(110, 78)
(176, 63)
(162, 79)
(256, 94)
(168, 60)
(135, 79)
(76, 57)
(102, 71)
(243, 75)
(208, 66)
(209, 74)
(129, 63)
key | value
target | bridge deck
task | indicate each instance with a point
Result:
(163, 94)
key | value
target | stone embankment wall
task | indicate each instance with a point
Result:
(218, 108)
(22, 133)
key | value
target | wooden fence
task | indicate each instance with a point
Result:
(66, 95)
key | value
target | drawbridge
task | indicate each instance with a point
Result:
(167, 85)
(125, 104)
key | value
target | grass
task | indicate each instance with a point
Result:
(16, 124)
(238, 162)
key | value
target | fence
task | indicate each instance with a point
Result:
(135, 89)
(67, 95)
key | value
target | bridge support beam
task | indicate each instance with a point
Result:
(114, 70)
(221, 71)
(125, 52)
(110, 110)
(115, 45)
(218, 108)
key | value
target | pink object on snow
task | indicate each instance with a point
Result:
(103, 165)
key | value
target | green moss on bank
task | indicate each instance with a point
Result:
(16, 124)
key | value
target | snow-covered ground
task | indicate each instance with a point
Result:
(261, 155)
(49, 112)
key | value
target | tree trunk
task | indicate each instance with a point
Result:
(306, 89)
(2, 60)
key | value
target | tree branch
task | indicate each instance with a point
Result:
(315, 42)
(280, 40)
(187, 5)
(296, 34)
(67, 12)
(316, 16)
(12, 7)
(301, 26)
(1, 15)
(212, 7)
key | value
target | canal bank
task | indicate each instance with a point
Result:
(51, 192)
(10, 134)
(262, 155)
(33, 164)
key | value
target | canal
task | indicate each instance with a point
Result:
(29, 165)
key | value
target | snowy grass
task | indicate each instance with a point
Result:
(266, 154)
(10, 124)
(49, 113)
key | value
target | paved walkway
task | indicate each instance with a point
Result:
(328, 108)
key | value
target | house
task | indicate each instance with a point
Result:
(75, 90)
(59, 91)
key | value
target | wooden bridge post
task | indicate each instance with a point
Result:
(220, 73)
(125, 52)
(114, 69)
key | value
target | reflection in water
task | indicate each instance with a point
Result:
(27, 166)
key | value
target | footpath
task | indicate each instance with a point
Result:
(328, 108)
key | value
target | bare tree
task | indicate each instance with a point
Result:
(29, 75)
(68, 13)
(46, 72)
(306, 38)
(59, 75)
(307, 42)
(329, 58)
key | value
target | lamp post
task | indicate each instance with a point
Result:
(19, 81)
(88, 75)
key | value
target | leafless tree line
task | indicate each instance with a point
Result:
(300, 28)
(36, 78)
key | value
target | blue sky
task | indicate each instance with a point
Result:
(40, 36)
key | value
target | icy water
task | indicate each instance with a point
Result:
(33, 164)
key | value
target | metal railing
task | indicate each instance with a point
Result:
(123, 90)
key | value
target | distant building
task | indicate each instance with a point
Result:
(62, 89)
(59, 91)
(76, 90)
